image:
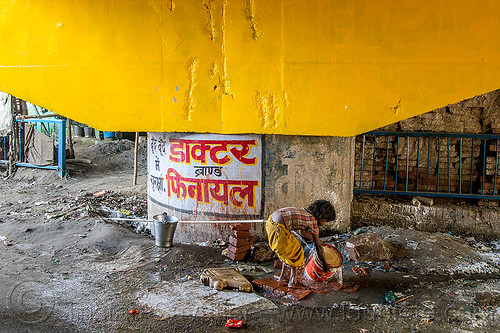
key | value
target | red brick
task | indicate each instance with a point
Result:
(324, 287)
(281, 291)
(235, 257)
(267, 284)
(238, 250)
(240, 226)
(241, 233)
(237, 242)
(259, 283)
(299, 293)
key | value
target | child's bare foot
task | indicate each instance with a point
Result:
(281, 279)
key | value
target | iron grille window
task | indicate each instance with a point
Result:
(428, 164)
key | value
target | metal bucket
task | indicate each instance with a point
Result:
(164, 229)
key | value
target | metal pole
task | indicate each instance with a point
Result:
(136, 149)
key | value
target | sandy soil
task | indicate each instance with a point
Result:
(65, 269)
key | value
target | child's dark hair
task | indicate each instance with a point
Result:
(322, 210)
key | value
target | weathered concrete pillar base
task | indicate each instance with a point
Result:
(296, 170)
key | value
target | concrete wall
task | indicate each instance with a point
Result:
(296, 171)
(299, 170)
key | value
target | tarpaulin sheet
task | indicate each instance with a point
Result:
(5, 114)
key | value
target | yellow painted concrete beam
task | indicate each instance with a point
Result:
(248, 66)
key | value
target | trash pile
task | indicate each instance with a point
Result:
(103, 204)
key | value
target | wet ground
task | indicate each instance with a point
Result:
(65, 269)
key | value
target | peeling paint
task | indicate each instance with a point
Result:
(284, 97)
(396, 108)
(250, 16)
(210, 25)
(192, 66)
(268, 109)
(225, 83)
(214, 73)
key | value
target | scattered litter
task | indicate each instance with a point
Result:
(233, 323)
(404, 298)
(417, 201)
(360, 271)
(186, 278)
(219, 243)
(261, 252)
(495, 246)
(206, 243)
(412, 245)
(133, 311)
(39, 203)
(390, 297)
(101, 193)
(55, 261)
(125, 212)
(359, 231)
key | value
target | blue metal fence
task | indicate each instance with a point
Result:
(428, 164)
(55, 128)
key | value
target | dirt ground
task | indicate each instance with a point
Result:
(65, 269)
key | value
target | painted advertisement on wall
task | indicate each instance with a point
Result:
(207, 174)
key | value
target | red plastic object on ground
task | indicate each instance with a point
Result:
(360, 271)
(234, 323)
(133, 311)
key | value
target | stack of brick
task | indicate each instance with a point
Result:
(240, 241)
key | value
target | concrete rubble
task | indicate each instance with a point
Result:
(370, 247)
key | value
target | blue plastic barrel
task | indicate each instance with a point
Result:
(108, 135)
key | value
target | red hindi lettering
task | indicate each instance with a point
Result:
(215, 191)
(222, 147)
(245, 149)
(176, 151)
(246, 192)
(202, 147)
(198, 190)
(175, 184)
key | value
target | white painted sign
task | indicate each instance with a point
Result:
(218, 175)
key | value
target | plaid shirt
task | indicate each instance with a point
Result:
(299, 219)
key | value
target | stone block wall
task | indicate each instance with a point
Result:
(479, 218)
(483, 223)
